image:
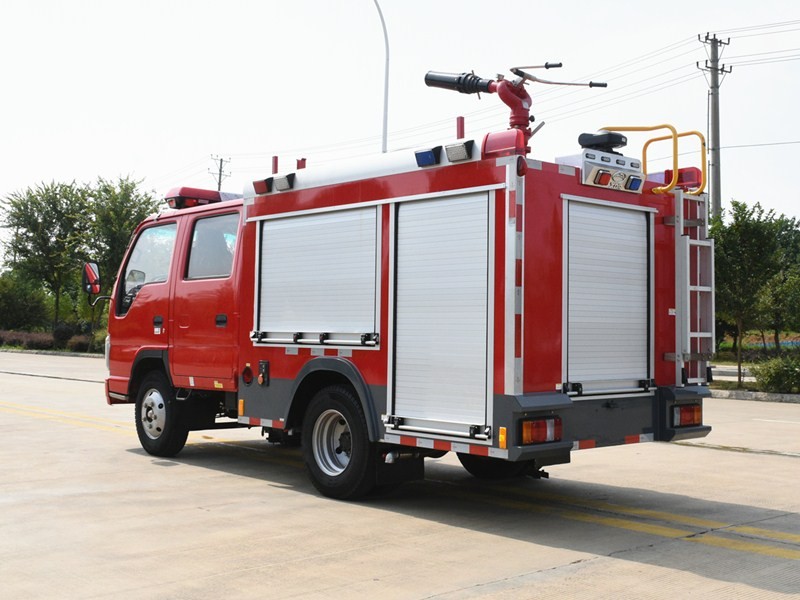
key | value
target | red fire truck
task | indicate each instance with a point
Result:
(456, 298)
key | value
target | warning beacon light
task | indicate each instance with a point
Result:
(187, 197)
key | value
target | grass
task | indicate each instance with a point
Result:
(747, 386)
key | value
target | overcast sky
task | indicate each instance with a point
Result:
(153, 89)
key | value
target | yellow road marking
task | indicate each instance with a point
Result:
(707, 538)
(65, 420)
(744, 546)
(49, 412)
(659, 515)
(766, 533)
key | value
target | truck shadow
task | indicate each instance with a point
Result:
(721, 541)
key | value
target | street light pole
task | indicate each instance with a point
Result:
(385, 80)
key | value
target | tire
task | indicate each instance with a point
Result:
(485, 467)
(340, 459)
(160, 426)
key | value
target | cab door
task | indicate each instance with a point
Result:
(205, 312)
(140, 313)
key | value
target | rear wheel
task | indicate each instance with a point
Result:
(340, 459)
(159, 424)
(485, 467)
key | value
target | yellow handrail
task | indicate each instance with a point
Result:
(674, 137)
(703, 162)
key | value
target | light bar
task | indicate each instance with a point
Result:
(187, 197)
(428, 158)
(460, 151)
(612, 171)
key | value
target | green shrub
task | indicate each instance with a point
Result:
(38, 341)
(62, 333)
(779, 375)
(78, 343)
(13, 338)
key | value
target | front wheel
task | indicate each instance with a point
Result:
(159, 423)
(340, 459)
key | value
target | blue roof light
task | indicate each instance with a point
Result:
(633, 184)
(427, 158)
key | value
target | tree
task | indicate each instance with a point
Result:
(22, 305)
(746, 257)
(779, 303)
(779, 299)
(48, 226)
(116, 208)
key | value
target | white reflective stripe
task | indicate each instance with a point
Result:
(607, 296)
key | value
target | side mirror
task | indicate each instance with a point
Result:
(91, 278)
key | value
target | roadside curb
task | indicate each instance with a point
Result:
(52, 353)
(757, 396)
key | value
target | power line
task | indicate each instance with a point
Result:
(762, 53)
(751, 63)
(762, 144)
(496, 112)
(764, 26)
(765, 33)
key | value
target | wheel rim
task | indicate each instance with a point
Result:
(332, 443)
(154, 414)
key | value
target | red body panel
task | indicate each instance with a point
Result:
(544, 269)
(525, 308)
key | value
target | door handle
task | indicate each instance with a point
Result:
(221, 320)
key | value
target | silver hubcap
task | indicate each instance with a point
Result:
(332, 443)
(154, 414)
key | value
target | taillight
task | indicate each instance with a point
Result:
(247, 375)
(539, 431)
(687, 415)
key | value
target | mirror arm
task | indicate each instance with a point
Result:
(94, 302)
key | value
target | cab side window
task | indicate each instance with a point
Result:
(148, 263)
(213, 245)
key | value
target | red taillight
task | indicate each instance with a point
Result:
(247, 375)
(687, 415)
(540, 431)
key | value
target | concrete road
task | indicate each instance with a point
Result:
(85, 513)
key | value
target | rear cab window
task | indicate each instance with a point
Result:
(212, 247)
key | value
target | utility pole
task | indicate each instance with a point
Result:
(713, 67)
(220, 174)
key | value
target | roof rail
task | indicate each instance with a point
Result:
(674, 135)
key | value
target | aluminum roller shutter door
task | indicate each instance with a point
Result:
(607, 297)
(318, 273)
(441, 310)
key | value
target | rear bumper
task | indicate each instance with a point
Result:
(670, 397)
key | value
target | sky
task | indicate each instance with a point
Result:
(154, 89)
